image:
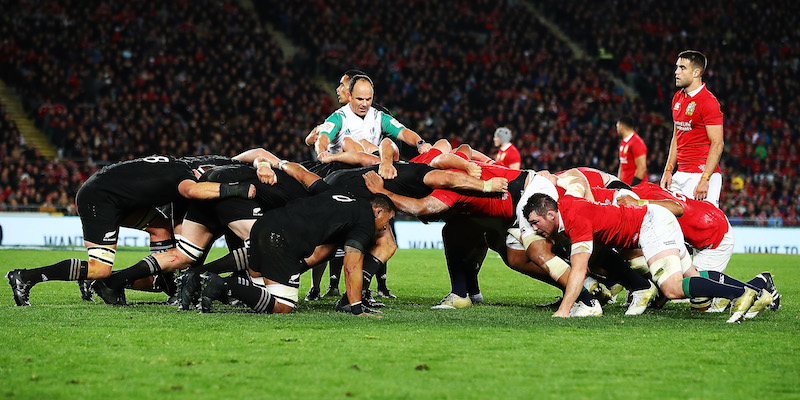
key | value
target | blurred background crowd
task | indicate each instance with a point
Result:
(123, 79)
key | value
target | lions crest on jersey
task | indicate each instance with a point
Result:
(690, 108)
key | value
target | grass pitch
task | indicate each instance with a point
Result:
(64, 347)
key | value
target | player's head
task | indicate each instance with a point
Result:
(361, 93)
(541, 211)
(384, 210)
(502, 135)
(690, 66)
(624, 126)
(343, 91)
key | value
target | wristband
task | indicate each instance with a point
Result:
(643, 202)
(420, 143)
(706, 176)
(233, 189)
(281, 164)
(636, 181)
(356, 308)
(263, 164)
(487, 186)
(668, 168)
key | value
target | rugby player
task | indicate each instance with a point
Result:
(652, 227)
(122, 194)
(283, 238)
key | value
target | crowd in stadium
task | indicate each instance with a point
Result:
(127, 79)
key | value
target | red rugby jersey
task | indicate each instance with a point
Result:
(691, 114)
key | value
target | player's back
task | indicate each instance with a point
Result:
(143, 182)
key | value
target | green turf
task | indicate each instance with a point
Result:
(64, 347)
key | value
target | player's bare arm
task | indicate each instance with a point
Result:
(452, 161)
(440, 179)
(673, 206)
(672, 159)
(212, 190)
(577, 274)
(417, 207)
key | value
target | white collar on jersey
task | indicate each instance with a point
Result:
(696, 91)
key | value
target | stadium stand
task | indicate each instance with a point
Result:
(125, 79)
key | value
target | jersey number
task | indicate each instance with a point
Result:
(156, 159)
(343, 198)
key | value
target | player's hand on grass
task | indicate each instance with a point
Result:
(561, 314)
(374, 182)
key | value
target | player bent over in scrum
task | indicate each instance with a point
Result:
(283, 238)
(652, 227)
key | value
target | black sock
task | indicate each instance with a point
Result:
(381, 274)
(698, 286)
(146, 267)
(256, 297)
(71, 269)
(585, 297)
(335, 269)
(758, 282)
(722, 278)
(236, 260)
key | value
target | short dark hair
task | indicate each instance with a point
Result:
(696, 58)
(539, 203)
(357, 78)
(626, 120)
(380, 200)
(350, 73)
(618, 185)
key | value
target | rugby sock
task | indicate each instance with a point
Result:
(316, 276)
(335, 269)
(698, 286)
(381, 274)
(71, 269)
(585, 297)
(256, 297)
(758, 282)
(236, 260)
(146, 267)
(722, 278)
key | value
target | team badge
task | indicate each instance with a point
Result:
(690, 108)
(677, 106)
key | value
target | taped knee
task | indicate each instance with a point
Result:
(162, 246)
(191, 250)
(104, 255)
(556, 266)
(665, 267)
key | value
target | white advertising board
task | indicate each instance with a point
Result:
(50, 231)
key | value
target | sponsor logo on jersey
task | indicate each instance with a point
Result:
(396, 123)
(677, 106)
(690, 108)
(257, 212)
(326, 127)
